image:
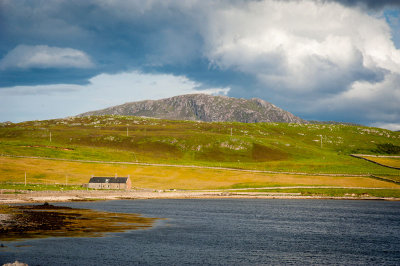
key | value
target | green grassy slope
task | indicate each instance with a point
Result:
(263, 146)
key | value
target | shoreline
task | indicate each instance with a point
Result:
(95, 195)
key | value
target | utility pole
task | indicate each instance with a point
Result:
(321, 141)
(25, 178)
(127, 131)
(66, 180)
(50, 136)
(231, 132)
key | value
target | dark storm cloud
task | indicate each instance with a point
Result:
(294, 53)
(369, 4)
(119, 36)
(372, 4)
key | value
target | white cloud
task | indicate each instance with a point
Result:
(43, 56)
(376, 102)
(302, 46)
(318, 59)
(136, 86)
(390, 126)
(313, 56)
(22, 103)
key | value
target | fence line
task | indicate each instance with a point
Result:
(359, 156)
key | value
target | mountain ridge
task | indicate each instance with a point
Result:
(203, 107)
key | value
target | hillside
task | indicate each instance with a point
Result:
(202, 107)
(263, 146)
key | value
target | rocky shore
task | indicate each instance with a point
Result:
(47, 220)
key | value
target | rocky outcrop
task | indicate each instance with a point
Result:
(204, 107)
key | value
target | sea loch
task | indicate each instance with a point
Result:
(230, 232)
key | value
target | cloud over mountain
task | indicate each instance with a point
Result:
(61, 100)
(320, 59)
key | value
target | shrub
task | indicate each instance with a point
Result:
(387, 148)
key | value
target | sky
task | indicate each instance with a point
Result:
(327, 60)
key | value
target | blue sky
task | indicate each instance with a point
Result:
(319, 59)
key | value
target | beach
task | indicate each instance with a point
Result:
(17, 197)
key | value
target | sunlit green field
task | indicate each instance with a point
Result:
(266, 146)
(291, 148)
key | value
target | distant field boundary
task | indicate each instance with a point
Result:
(385, 179)
(378, 156)
(184, 166)
(361, 156)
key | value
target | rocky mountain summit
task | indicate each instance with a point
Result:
(203, 107)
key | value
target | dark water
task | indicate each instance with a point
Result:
(231, 232)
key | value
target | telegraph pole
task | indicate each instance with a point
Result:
(25, 178)
(50, 136)
(127, 131)
(321, 141)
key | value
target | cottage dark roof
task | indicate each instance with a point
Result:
(97, 179)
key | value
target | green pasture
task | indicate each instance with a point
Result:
(261, 146)
(39, 187)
